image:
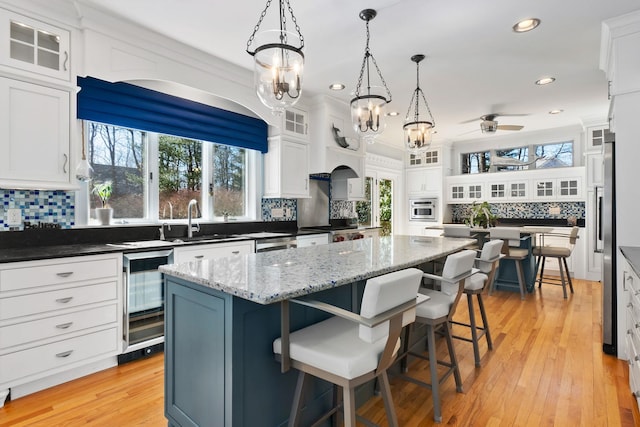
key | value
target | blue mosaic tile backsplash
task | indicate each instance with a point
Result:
(290, 204)
(38, 206)
(525, 210)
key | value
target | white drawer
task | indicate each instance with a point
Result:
(42, 302)
(56, 355)
(41, 273)
(314, 240)
(51, 327)
(219, 250)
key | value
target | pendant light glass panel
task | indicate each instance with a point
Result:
(368, 114)
(278, 70)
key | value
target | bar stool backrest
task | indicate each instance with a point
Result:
(490, 251)
(385, 292)
(455, 265)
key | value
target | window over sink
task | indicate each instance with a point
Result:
(154, 176)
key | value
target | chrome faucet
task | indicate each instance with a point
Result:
(164, 211)
(162, 235)
(190, 229)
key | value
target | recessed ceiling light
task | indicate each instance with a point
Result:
(545, 81)
(336, 86)
(393, 113)
(556, 111)
(526, 25)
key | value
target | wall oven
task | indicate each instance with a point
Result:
(423, 209)
(143, 327)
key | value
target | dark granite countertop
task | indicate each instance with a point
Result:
(38, 244)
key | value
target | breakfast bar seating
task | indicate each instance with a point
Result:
(349, 349)
(436, 315)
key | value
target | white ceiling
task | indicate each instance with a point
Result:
(475, 63)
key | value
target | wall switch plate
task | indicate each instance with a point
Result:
(277, 212)
(14, 217)
(554, 210)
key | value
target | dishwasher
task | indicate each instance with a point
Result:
(274, 241)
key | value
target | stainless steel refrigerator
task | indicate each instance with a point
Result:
(607, 234)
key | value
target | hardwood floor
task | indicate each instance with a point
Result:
(546, 368)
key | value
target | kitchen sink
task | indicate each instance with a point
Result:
(204, 238)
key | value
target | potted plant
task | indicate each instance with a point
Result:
(481, 216)
(104, 190)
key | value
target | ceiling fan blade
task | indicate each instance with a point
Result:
(509, 127)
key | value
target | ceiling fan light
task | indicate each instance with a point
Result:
(278, 62)
(526, 25)
(489, 126)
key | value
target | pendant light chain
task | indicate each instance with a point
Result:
(365, 63)
(414, 97)
(282, 23)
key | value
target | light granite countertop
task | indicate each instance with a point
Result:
(269, 277)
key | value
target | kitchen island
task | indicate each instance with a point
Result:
(222, 316)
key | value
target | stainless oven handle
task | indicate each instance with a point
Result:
(125, 308)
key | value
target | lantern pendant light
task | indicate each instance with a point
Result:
(278, 61)
(417, 130)
(369, 105)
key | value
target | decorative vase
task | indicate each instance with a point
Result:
(104, 215)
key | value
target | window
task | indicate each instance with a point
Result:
(476, 162)
(558, 155)
(178, 170)
(554, 155)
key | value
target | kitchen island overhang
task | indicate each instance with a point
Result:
(222, 317)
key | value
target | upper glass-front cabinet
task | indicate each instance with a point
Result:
(295, 123)
(34, 46)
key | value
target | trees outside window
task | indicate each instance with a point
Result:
(155, 176)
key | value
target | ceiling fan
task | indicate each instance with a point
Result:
(489, 124)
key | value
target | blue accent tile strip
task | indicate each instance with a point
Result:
(38, 206)
(537, 210)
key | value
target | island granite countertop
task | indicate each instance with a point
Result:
(269, 277)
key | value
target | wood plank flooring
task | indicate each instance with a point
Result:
(546, 369)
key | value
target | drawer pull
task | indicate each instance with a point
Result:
(64, 274)
(64, 325)
(199, 256)
(235, 252)
(64, 300)
(65, 353)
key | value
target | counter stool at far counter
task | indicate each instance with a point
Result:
(349, 349)
(487, 263)
(511, 250)
(436, 315)
(561, 253)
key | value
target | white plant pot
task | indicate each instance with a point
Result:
(104, 215)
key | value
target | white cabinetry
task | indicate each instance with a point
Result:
(561, 184)
(312, 240)
(214, 250)
(632, 327)
(57, 315)
(295, 122)
(286, 169)
(424, 181)
(34, 136)
(34, 46)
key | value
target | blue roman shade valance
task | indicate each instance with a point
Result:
(131, 106)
